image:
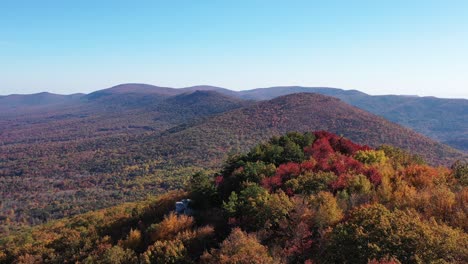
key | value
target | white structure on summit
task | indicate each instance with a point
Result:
(183, 207)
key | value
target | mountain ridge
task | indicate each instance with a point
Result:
(442, 119)
(295, 112)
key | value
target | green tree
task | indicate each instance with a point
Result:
(292, 152)
(400, 157)
(256, 208)
(311, 183)
(203, 191)
(270, 153)
(251, 200)
(256, 171)
(460, 172)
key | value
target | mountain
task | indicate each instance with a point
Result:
(132, 88)
(122, 94)
(202, 102)
(20, 102)
(444, 120)
(237, 130)
(210, 88)
(112, 113)
(146, 89)
(441, 119)
(272, 92)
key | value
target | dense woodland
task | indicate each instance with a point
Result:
(298, 198)
(62, 161)
(121, 147)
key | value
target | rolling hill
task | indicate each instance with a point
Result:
(237, 130)
(14, 103)
(444, 120)
(115, 113)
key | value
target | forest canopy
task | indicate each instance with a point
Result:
(312, 197)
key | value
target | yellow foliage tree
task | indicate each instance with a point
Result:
(326, 209)
(239, 248)
(169, 227)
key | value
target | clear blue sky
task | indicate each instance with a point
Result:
(379, 47)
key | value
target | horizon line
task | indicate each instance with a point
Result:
(242, 90)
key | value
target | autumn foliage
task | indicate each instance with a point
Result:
(299, 198)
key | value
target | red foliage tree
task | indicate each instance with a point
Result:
(320, 150)
(373, 175)
(288, 170)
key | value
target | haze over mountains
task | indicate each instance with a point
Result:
(441, 119)
(63, 155)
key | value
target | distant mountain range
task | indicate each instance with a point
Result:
(444, 120)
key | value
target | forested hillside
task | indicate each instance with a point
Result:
(51, 162)
(444, 120)
(299, 198)
(142, 144)
(240, 129)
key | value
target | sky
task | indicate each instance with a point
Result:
(378, 47)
